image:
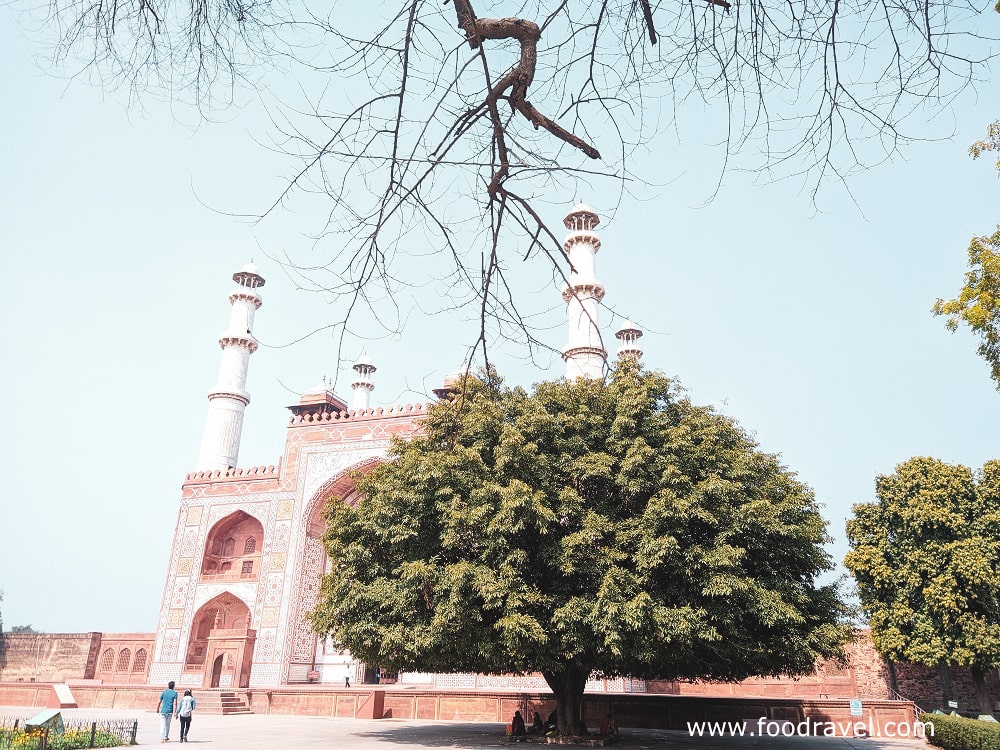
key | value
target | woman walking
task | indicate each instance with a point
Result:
(184, 710)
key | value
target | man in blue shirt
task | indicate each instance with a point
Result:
(166, 709)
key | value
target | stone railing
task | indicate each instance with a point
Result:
(378, 412)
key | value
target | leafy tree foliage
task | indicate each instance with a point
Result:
(992, 140)
(22, 629)
(586, 526)
(926, 557)
(978, 301)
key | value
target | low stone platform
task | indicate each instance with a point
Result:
(542, 739)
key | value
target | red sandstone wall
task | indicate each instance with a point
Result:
(651, 711)
(922, 685)
(124, 658)
(48, 657)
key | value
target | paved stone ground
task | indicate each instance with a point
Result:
(258, 732)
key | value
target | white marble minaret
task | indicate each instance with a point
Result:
(629, 335)
(220, 443)
(584, 353)
(362, 385)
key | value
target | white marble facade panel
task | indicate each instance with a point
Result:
(189, 541)
(178, 598)
(272, 593)
(264, 649)
(264, 675)
(168, 652)
(205, 592)
(322, 464)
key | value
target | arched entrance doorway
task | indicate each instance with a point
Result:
(221, 643)
(217, 671)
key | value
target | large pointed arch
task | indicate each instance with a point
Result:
(223, 612)
(306, 650)
(233, 549)
(340, 485)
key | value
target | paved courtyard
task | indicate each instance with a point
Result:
(258, 732)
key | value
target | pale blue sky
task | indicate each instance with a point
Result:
(809, 325)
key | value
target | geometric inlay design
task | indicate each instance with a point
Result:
(277, 563)
(174, 618)
(180, 592)
(281, 530)
(193, 516)
(272, 594)
(284, 510)
(269, 618)
(185, 566)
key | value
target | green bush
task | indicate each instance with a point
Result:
(72, 739)
(956, 733)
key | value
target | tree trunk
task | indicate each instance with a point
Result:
(893, 682)
(982, 691)
(946, 694)
(567, 685)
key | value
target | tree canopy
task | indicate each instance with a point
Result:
(978, 302)
(415, 118)
(926, 556)
(587, 526)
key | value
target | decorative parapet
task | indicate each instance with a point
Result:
(379, 412)
(252, 472)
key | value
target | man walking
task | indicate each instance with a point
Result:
(166, 708)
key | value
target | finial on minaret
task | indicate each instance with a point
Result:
(453, 381)
(220, 443)
(629, 335)
(363, 385)
(584, 353)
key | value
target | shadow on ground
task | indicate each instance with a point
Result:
(474, 736)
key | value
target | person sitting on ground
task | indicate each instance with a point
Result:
(537, 727)
(608, 726)
(517, 726)
(552, 723)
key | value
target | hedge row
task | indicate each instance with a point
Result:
(956, 733)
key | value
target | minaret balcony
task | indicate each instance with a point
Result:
(582, 235)
(246, 295)
(583, 290)
(246, 341)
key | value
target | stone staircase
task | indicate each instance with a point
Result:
(225, 702)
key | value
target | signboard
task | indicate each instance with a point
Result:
(856, 707)
(952, 704)
(50, 719)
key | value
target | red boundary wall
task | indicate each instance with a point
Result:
(633, 710)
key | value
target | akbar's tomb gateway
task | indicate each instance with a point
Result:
(247, 556)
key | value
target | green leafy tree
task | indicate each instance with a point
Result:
(978, 301)
(926, 557)
(992, 140)
(590, 526)
(22, 629)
